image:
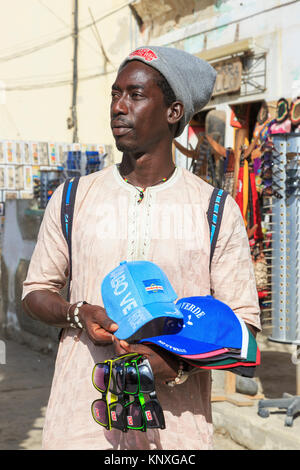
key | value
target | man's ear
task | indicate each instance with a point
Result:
(175, 112)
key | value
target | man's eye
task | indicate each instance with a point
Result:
(136, 95)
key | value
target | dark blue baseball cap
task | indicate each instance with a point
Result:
(138, 296)
(209, 324)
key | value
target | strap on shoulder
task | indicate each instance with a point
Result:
(214, 216)
(67, 209)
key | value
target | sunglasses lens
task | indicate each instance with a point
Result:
(134, 416)
(99, 410)
(154, 415)
(116, 414)
(131, 380)
(101, 376)
(146, 378)
(117, 379)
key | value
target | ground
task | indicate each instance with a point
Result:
(25, 382)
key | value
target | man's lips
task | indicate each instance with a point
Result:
(120, 128)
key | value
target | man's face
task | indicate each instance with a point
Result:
(138, 112)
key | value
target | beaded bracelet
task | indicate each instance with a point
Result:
(76, 323)
(182, 376)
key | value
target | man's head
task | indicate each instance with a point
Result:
(191, 78)
(179, 83)
(144, 109)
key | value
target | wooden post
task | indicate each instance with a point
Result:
(298, 370)
(230, 383)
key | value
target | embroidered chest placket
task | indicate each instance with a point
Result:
(139, 225)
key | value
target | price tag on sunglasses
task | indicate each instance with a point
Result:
(129, 420)
(149, 415)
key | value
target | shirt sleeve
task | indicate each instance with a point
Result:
(48, 267)
(232, 272)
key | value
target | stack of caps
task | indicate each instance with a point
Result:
(203, 331)
(212, 337)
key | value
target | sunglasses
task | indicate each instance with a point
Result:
(104, 374)
(136, 377)
(139, 379)
(108, 414)
(142, 415)
(269, 191)
(126, 378)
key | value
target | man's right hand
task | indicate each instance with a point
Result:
(98, 326)
(51, 308)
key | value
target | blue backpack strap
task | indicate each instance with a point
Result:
(214, 216)
(67, 209)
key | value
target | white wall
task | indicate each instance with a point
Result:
(40, 113)
(274, 26)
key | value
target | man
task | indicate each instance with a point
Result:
(125, 213)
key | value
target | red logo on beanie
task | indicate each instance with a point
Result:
(146, 54)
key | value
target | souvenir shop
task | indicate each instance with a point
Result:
(261, 172)
(33, 170)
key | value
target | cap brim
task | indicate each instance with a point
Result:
(227, 363)
(181, 346)
(152, 320)
(206, 355)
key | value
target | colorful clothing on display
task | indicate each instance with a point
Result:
(247, 200)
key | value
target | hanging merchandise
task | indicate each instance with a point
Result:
(240, 116)
(245, 187)
(282, 123)
(281, 128)
(295, 114)
(92, 162)
(73, 163)
(229, 170)
(263, 114)
(282, 110)
(261, 274)
(49, 181)
(248, 202)
(215, 125)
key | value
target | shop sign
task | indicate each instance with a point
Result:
(229, 76)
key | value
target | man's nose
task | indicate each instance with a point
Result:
(119, 106)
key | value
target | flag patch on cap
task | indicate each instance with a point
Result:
(153, 286)
(146, 54)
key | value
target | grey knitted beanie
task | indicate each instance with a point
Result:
(191, 78)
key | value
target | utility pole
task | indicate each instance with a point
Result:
(75, 73)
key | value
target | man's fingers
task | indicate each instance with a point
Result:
(127, 347)
(99, 316)
(135, 348)
(108, 324)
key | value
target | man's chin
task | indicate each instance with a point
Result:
(124, 147)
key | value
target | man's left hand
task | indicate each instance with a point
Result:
(164, 365)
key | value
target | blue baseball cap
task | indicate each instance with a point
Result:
(138, 296)
(209, 325)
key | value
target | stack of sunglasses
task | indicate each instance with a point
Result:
(269, 169)
(123, 382)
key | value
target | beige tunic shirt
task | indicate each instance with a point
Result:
(169, 227)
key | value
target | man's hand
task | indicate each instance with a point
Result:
(164, 365)
(99, 327)
(51, 308)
